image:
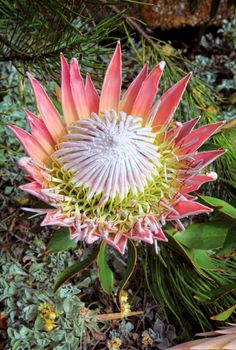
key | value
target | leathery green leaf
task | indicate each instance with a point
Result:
(221, 205)
(223, 316)
(60, 241)
(205, 236)
(189, 254)
(104, 272)
(229, 243)
(201, 259)
(74, 269)
(132, 259)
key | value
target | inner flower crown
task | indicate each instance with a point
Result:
(114, 169)
(111, 154)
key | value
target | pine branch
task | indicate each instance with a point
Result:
(19, 55)
(34, 33)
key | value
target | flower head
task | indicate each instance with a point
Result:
(124, 304)
(114, 168)
(114, 344)
(147, 340)
(48, 315)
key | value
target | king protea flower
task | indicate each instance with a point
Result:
(114, 168)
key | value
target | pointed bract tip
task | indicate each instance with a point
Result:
(118, 48)
(74, 60)
(117, 52)
(198, 118)
(213, 175)
(10, 126)
(187, 77)
(146, 68)
(162, 65)
(27, 112)
(32, 78)
(15, 129)
(88, 76)
(29, 75)
(62, 57)
(220, 126)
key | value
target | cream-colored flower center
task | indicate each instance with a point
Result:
(110, 154)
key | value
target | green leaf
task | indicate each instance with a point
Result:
(39, 322)
(205, 236)
(132, 259)
(104, 272)
(221, 205)
(223, 316)
(192, 255)
(60, 241)
(200, 259)
(229, 243)
(74, 269)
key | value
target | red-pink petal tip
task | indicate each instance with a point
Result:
(169, 102)
(110, 95)
(78, 90)
(68, 106)
(31, 146)
(145, 98)
(47, 110)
